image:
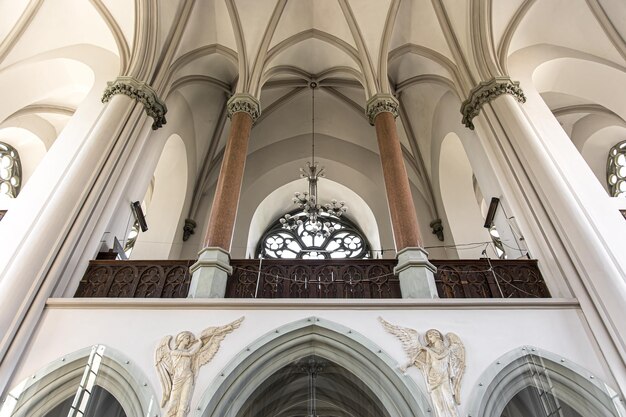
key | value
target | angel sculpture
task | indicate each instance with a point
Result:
(441, 360)
(178, 365)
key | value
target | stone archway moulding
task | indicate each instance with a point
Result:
(398, 393)
(569, 382)
(59, 380)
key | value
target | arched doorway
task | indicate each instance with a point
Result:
(273, 377)
(312, 386)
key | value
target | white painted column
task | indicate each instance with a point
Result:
(590, 230)
(46, 252)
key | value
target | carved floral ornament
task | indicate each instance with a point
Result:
(485, 92)
(177, 361)
(244, 103)
(381, 103)
(141, 92)
(442, 362)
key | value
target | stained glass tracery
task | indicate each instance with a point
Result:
(344, 242)
(10, 170)
(616, 170)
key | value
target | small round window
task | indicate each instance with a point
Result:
(616, 170)
(10, 171)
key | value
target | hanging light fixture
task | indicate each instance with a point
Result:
(308, 201)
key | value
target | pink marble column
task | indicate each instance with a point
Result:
(382, 112)
(210, 273)
(243, 110)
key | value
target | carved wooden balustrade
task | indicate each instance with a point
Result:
(488, 278)
(136, 279)
(359, 279)
(313, 279)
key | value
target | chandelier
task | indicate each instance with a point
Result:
(308, 201)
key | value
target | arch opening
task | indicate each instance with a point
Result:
(164, 204)
(90, 382)
(459, 200)
(353, 361)
(531, 382)
(312, 386)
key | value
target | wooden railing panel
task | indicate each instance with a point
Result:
(488, 278)
(359, 279)
(136, 279)
(313, 279)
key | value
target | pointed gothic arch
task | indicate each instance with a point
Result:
(398, 394)
(71, 375)
(528, 366)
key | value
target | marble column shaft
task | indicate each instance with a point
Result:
(403, 217)
(224, 209)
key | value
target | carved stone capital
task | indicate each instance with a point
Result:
(244, 103)
(188, 229)
(487, 91)
(141, 92)
(381, 103)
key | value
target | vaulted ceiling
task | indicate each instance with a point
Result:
(429, 53)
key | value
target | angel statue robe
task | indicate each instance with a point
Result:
(435, 364)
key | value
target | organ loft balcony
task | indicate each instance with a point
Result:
(325, 279)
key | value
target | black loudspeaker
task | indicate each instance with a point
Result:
(491, 213)
(135, 206)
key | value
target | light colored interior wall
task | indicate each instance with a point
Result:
(135, 331)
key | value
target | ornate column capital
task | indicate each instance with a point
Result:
(380, 103)
(244, 103)
(141, 92)
(487, 91)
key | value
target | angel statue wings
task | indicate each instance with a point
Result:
(177, 364)
(441, 360)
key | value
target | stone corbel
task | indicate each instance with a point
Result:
(437, 228)
(141, 92)
(381, 103)
(188, 229)
(244, 103)
(485, 92)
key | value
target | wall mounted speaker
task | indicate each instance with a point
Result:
(135, 206)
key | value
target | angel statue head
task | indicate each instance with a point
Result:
(432, 336)
(184, 339)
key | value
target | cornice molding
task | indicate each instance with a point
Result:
(244, 103)
(380, 103)
(485, 92)
(141, 92)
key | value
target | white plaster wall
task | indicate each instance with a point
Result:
(134, 328)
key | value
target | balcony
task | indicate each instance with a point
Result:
(357, 279)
